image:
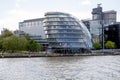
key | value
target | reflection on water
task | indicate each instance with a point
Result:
(61, 68)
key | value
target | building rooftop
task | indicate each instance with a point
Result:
(51, 13)
(110, 11)
(37, 19)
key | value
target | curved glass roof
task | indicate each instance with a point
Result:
(65, 31)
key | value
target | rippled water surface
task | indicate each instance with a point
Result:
(61, 68)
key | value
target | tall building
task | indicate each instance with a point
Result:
(95, 30)
(66, 34)
(112, 33)
(33, 27)
(100, 18)
(109, 17)
(97, 13)
(95, 23)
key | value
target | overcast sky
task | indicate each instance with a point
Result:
(14, 11)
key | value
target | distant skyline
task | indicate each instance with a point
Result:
(15, 11)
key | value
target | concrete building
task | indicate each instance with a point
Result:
(97, 13)
(33, 27)
(109, 17)
(99, 18)
(66, 34)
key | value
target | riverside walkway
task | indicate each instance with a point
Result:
(44, 54)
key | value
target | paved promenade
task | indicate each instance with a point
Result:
(44, 54)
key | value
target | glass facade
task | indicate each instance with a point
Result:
(33, 27)
(66, 34)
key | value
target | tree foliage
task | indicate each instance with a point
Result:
(110, 45)
(27, 36)
(0, 45)
(6, 33)
(33, 46)
(14, 43)
(11, 42)
(97, 45)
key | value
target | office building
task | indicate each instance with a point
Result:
(112, 33)
(33, 27)
(109, 17)
(66, 34)
(100, 18)
(97, 13)
(105, 17)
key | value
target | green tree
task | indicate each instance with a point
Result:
(40, 47)
(14, 43)
(27, 36)
(110, 45)
(0, 45)
(22, 43)
(97, 45)
(6, 33)
(33, 46)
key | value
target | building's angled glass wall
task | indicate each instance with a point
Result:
(65, 33)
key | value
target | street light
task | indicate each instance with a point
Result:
(102, 35)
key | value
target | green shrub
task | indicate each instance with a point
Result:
(110, 45)
(97, 45)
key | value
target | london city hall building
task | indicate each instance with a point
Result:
(66, 34)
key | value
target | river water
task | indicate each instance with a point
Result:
(61, 68)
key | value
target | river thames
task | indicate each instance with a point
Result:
(61, 68)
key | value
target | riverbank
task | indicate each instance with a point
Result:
(28, 55)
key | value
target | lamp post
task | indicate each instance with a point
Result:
(102, 34)
(102, 24)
